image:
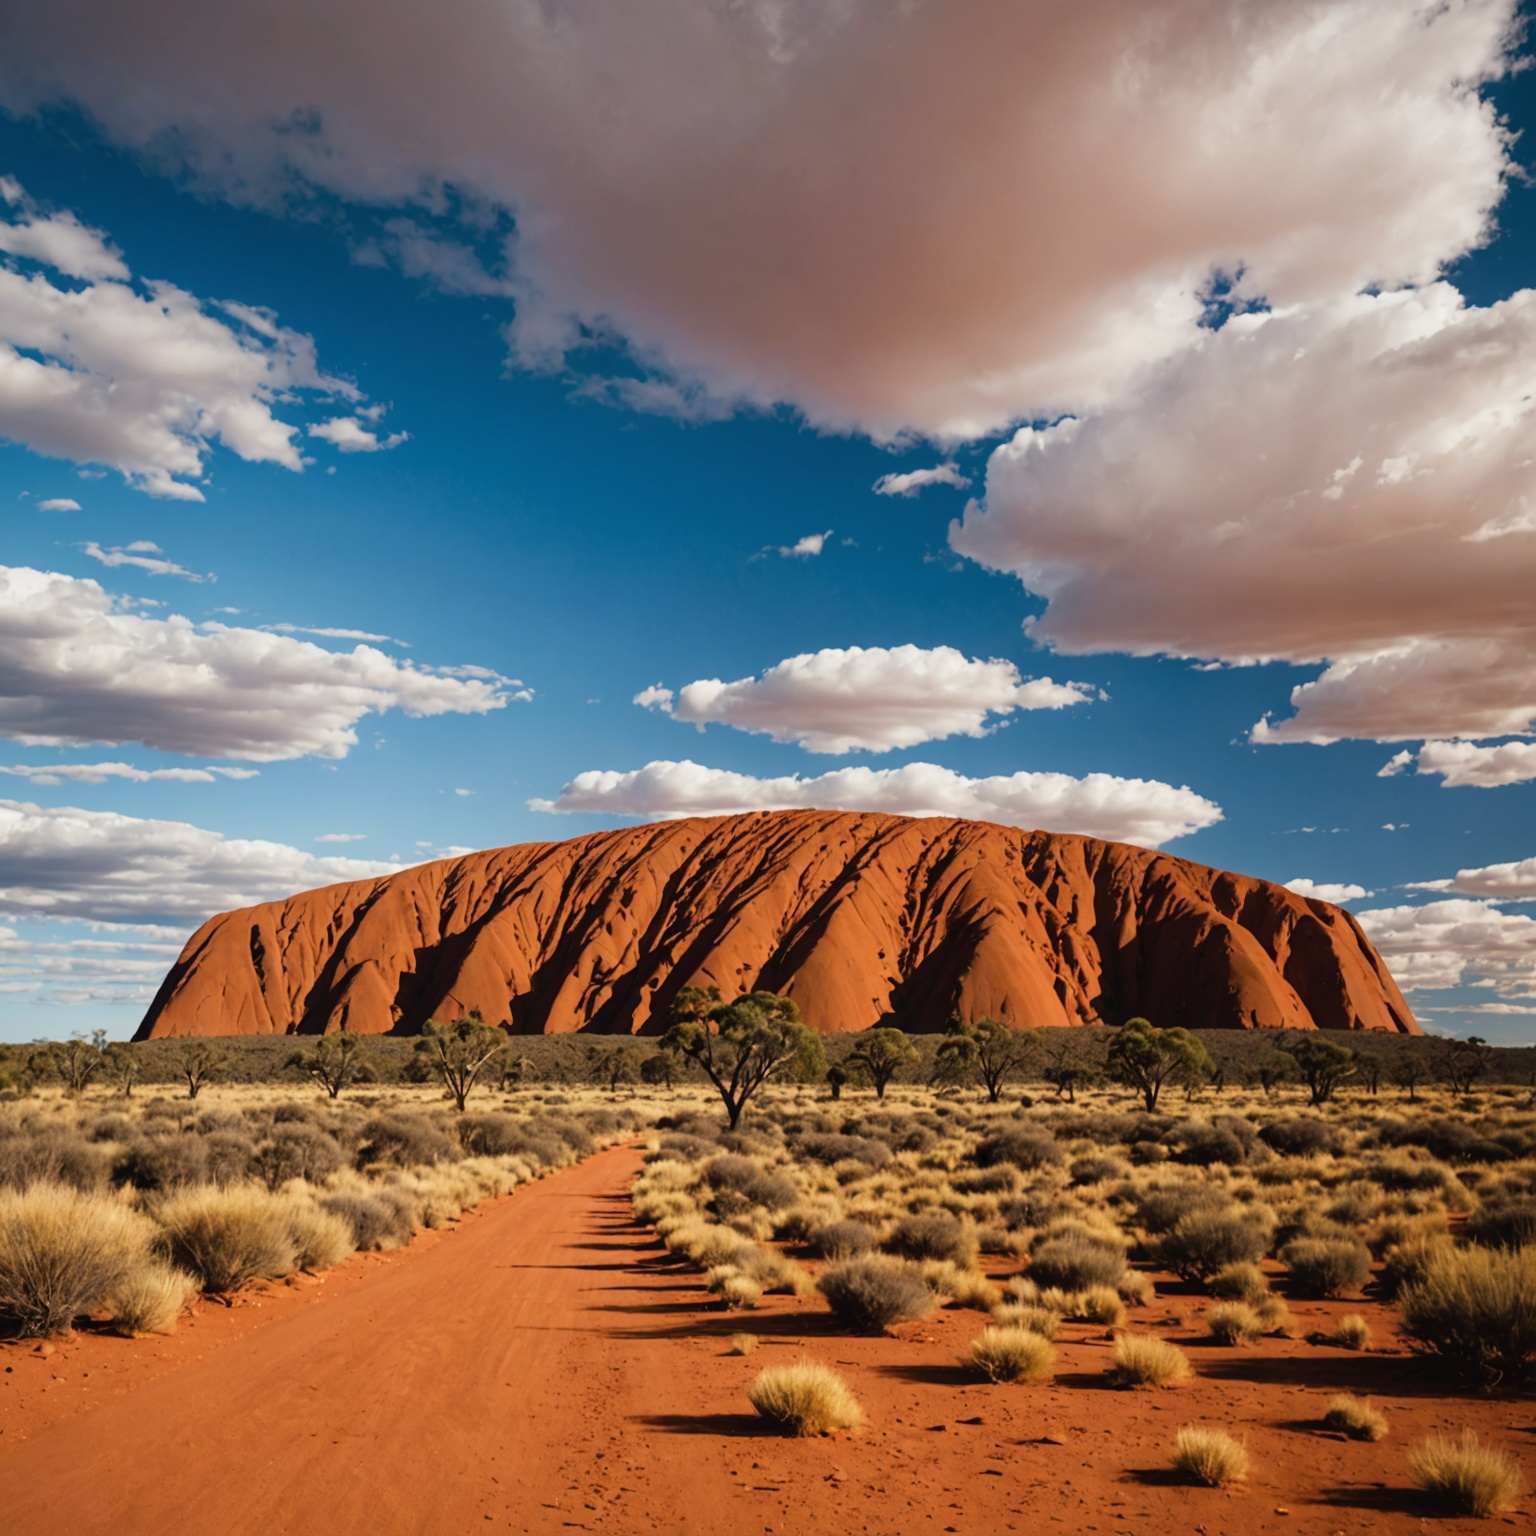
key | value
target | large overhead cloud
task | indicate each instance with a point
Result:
(140, 377)
(867, 698)
(1140, 811)
(102, 867)
(1347, 483)
(1456, 943)
(941, 216)
(75, 669)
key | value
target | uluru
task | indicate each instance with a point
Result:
(861, 918)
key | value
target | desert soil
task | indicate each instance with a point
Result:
(543, 1366)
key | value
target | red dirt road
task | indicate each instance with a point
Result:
(543, 1367)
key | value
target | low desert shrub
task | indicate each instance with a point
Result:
(406, 1140)
(1100, 1304)
(1206, 1241)
(742, 1343)
(1323, 1267)
(1239, 1282)
(1209, 1456)
(1351, 1332)
(1299, 1136)
(228, 1237)
(868, 1295)
(1075, 1262)
(1356, 1417)
(150, 1298)
(1510, 1224)
(321, 1238)
(1476, 1308)
(1144, 1361)
(1041, 1320)
(740, 1291)
(375, 1222)
(1020, 1147)
(805, 1399)
(62, 1254)
(52, 1157)
(932, 1235)
(1012, 1354)
(1234, 1322)
(296, 1151)
(1466, 1476)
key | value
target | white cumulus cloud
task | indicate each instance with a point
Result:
(1456, 942)
(1465, 765)
(1141, 811)
(103, 867)
(59, 504)
(1323, 891)
(105, 773)
(351, 436)
(867, 698)
(1309, 485)
(140, 376)
(912, 481)
(1514, 880)
(731, 212)
(77, 668)
(143, 555)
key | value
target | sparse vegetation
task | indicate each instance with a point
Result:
(868, 1295)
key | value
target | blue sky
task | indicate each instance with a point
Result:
(579, 540)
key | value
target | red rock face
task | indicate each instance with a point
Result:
(854, 916)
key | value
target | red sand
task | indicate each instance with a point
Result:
(544, 1367)
(854, 916)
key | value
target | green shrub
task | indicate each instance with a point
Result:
(843, 1240)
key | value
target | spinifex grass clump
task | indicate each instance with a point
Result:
(1143, 1361)
(1012, 1354)
(1356, 1417)
(1209, 1456)
(1466, 1476)
(1476, 1308)
(805, 1399)
(62, 1254)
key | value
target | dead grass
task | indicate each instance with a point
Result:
(1012, 1354)
(1144, 1361)
(1356, 1417)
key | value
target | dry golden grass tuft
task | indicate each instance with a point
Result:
(1466, 1476)
(150, 1299)
(1234, 1322)
(1356, 1417)
(1351, 1332)
(1012, 1354)
(805, 1399)
(1144, 1361)
(1209, 1456)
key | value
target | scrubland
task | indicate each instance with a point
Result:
(115, 1212)
(1167, 1249)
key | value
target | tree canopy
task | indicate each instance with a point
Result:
(1146, 1058)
